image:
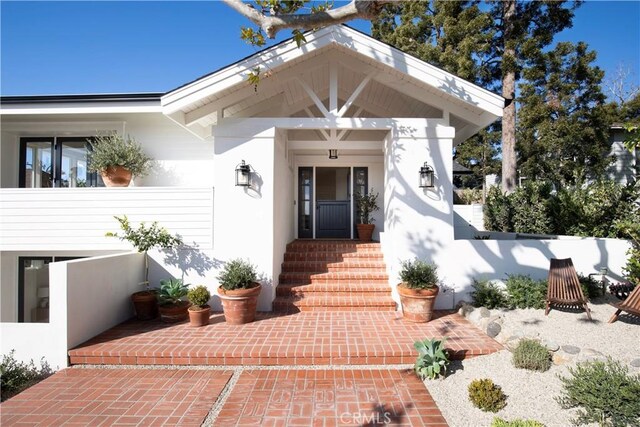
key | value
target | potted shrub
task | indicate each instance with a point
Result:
(143, 239)
(418, 290)
(239, 291)
(172, 307)
(199, 312)
(366, 205)
(117, 159)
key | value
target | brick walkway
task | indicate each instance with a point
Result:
(318, 338)
(117, 397)
(329, 398)
(257, 395)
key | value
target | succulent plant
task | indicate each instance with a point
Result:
(172, 291)
(432, 359)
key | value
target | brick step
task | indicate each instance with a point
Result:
(333, 256)
(337, 276)
(334, 303)
(355, 265)
(333, 289)
(321, 246)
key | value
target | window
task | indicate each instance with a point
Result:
(56, 162)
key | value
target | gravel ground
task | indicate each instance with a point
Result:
(530, 395)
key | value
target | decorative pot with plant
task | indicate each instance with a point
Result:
(418, 290)
(144, 239)
(117, 159)
(239, 290)
(366, 205)
(171, 305)
(199, 312)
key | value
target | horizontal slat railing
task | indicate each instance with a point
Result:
(78, 218)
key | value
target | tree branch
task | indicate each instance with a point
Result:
(271, 25)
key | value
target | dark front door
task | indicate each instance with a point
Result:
(333, 203)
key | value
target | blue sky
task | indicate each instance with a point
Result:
(118, 47)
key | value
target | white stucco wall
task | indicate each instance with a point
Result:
(461, 261)
(244, 217)
(418, 222)
(86, 297)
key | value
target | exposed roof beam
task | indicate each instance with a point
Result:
(313, 97)
(355, 94)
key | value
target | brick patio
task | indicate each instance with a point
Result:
(329, 398)
(318, 338)
(117, 397)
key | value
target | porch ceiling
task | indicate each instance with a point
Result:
(337, 73)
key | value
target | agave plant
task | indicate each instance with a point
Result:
(172, 291)
(432, 359)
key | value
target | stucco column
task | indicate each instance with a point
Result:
(418, 222)
(243, 217)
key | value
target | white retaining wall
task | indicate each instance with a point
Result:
(87, 296)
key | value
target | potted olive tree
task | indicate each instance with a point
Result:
(172, 307)
(199, 312)
(366, 205)
(145, 238)
(239, 290)
(117, 159)
(418, 290)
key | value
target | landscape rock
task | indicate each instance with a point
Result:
(560, 358)
(464, 308)
(476, 315)
(571, 349)
(635, 363)
(493, 329)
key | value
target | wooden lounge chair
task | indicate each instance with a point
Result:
(631, 305)
(564, 286)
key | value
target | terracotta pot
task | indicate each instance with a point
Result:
(365, 231)
(199, 316)
(145, 304)
(173, 313)
(116, 176)
(240, 305)
(417, 304)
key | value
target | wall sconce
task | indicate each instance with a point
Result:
(333, 153)
(426, 176)
(243, 174)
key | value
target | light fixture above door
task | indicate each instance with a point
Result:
(333, 153)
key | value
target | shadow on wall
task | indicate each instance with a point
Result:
(190, 259)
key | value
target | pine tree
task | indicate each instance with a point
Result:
(563, 126)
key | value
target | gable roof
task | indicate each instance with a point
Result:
(485, 106)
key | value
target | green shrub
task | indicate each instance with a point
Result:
(199, 296)
(604, 392)
(525, 292)
(419, 274)
(499, 422)
(590, 287)
(432, 358)
(17, 376)
(238, 274)
(488, 294)
(530, 208)
(486, 395)
(531, 355)
(595, 210)
(497, 211)
(467, 196)
(114, 150)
